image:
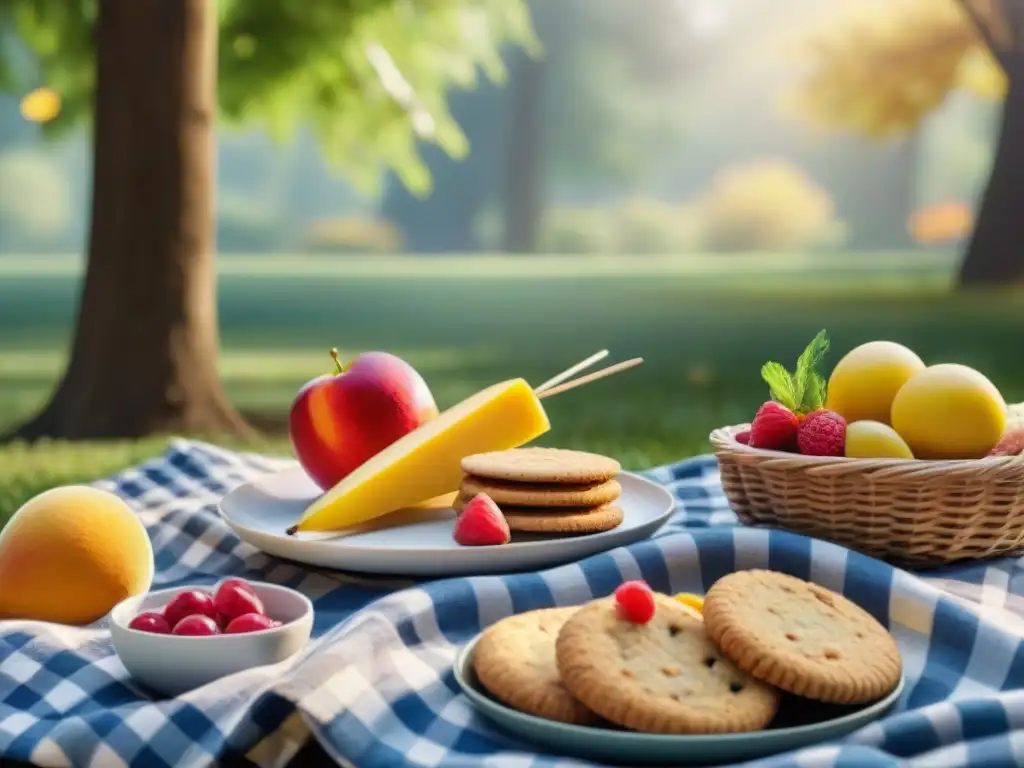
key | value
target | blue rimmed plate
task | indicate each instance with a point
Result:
(799, 724)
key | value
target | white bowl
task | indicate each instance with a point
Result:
(174, 664)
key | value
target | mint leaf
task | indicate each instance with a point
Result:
(813, 396)
(780, 384)
(808, 384)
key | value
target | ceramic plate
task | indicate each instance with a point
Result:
(418, 541)
(800, 723)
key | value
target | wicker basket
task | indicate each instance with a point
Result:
(915, 513)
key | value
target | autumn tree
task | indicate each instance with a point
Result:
(155, 76)
(883, 67)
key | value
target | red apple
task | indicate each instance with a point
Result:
(340, 420)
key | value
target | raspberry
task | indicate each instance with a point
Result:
(636, 601)
(1011, 444)
(743, 438)
(822, 433)
(774, 427)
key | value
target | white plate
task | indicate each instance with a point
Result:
(419, 541)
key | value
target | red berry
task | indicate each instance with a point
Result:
(196, 625)
(481, 523)
(189, 603)
(240, 583)
(774, 427)
(822, 433)
(743, 438)
(1011, 444)
(151, 621)
(233, 600)
(249, 622)
(636, 601)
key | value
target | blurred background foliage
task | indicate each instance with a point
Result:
(706, 183)
(883, 108)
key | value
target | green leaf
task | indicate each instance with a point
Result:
(813, 395)
(808, 384)
(780, 384)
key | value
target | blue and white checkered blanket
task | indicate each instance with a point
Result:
(375, 688)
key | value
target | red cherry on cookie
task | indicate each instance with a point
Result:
(189, 603)
(250, 622)
(636, 601)
(196, 625)
(234, 599)
(151, 621)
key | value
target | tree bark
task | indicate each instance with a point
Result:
(523, 173)
(144, 356)
(993, 254)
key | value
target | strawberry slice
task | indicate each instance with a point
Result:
(481, 523)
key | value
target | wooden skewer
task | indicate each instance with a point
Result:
(609, 371)
(569, 372)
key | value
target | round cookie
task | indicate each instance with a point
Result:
(578, 520)
(543, 494)
(801, 637)
(665, 676)
(542, 465)
(515, 660)
(565, 521)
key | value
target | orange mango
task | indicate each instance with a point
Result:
(70, 555)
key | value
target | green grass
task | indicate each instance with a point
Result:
(703, 325)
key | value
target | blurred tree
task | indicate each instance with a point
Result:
(596, 106)
(368, 76)
(885, 66)
(591, 107)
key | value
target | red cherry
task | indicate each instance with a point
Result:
(151, 621)
(240, 583)
(189, 603)
(195, 625)
(249, 622)
(233, 600)
(636, 601)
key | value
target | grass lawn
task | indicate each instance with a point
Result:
(703, 325)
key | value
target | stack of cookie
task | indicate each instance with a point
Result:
(546, 490)
(762, 634)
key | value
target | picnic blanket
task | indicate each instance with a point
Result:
(375, 686)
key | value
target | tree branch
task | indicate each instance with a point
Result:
(985, 32)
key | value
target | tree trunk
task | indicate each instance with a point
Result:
(144, 357)
(523, 173)
(993, 255)
(875, 187)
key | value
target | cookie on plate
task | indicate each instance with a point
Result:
(543, 494)
(801, 637)
(542, 465)
(665, 676)
(562, 521)
(565, 521)
(515, 660)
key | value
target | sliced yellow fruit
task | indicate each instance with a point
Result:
(694, 601)
(427, 462)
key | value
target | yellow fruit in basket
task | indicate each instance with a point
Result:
(949, 411)
(868, 439)
(864, 383)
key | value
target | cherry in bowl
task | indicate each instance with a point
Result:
(236, 625)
